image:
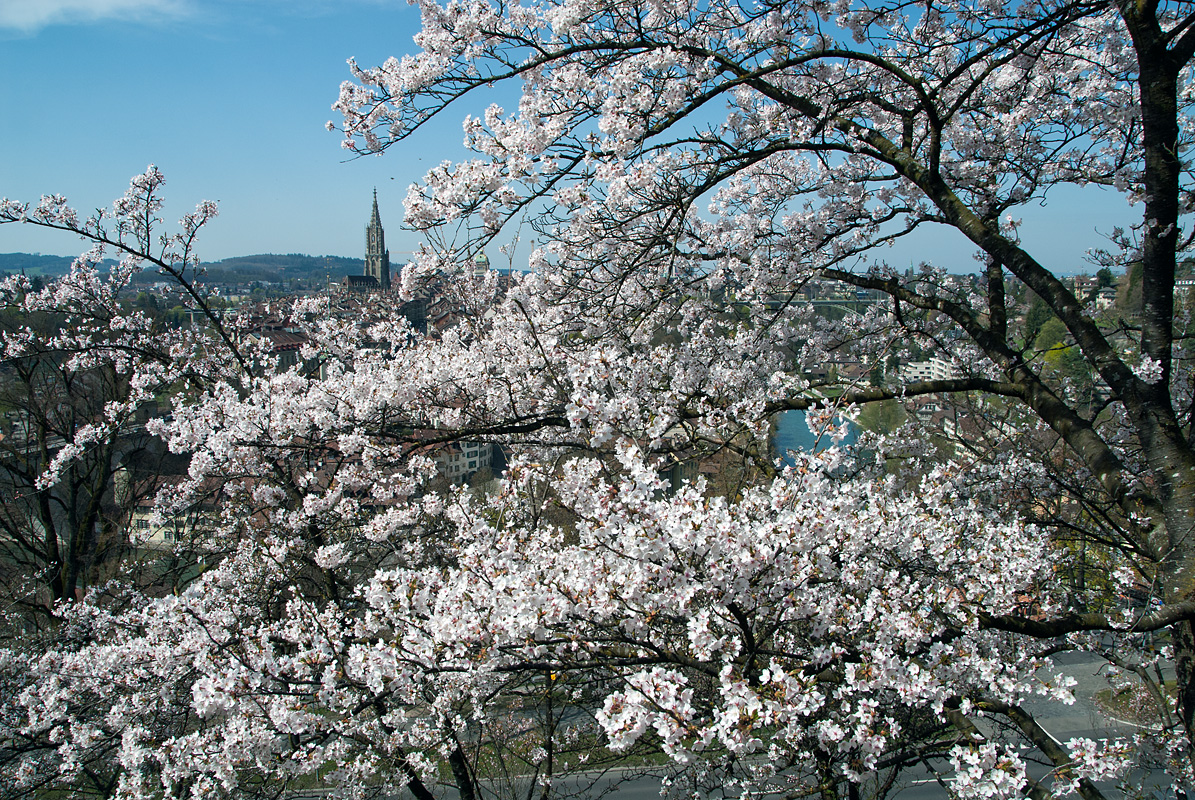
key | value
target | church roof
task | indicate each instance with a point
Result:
(361, 281)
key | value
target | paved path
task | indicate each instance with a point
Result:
(1084, 718)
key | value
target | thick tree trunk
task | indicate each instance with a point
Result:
(1170, 458)
(1183, 639)
(1176, 478)
(461, 773)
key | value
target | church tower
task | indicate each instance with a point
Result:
(377, 257)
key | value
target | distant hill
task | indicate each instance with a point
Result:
(292, 266)
(267, 267)
(34, 264)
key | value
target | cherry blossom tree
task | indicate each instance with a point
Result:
(678, 158)
(821, 627)
(81, 373)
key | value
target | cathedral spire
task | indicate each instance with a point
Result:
(374, 218)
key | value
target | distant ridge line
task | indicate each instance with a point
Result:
(261, 266)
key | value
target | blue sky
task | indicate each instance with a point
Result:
(230, 97)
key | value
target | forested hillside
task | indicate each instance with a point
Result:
(262, 267)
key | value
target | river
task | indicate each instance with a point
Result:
(792, 433)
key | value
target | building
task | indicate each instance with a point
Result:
(361, 283)
(377, 257)
(285, 346)
(150, 527)
(936, 369)
(481, 265)
(459, 460)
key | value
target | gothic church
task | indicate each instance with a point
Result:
(377, 257)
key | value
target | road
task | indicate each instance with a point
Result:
(1082, 719)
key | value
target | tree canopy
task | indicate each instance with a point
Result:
(691, 171)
